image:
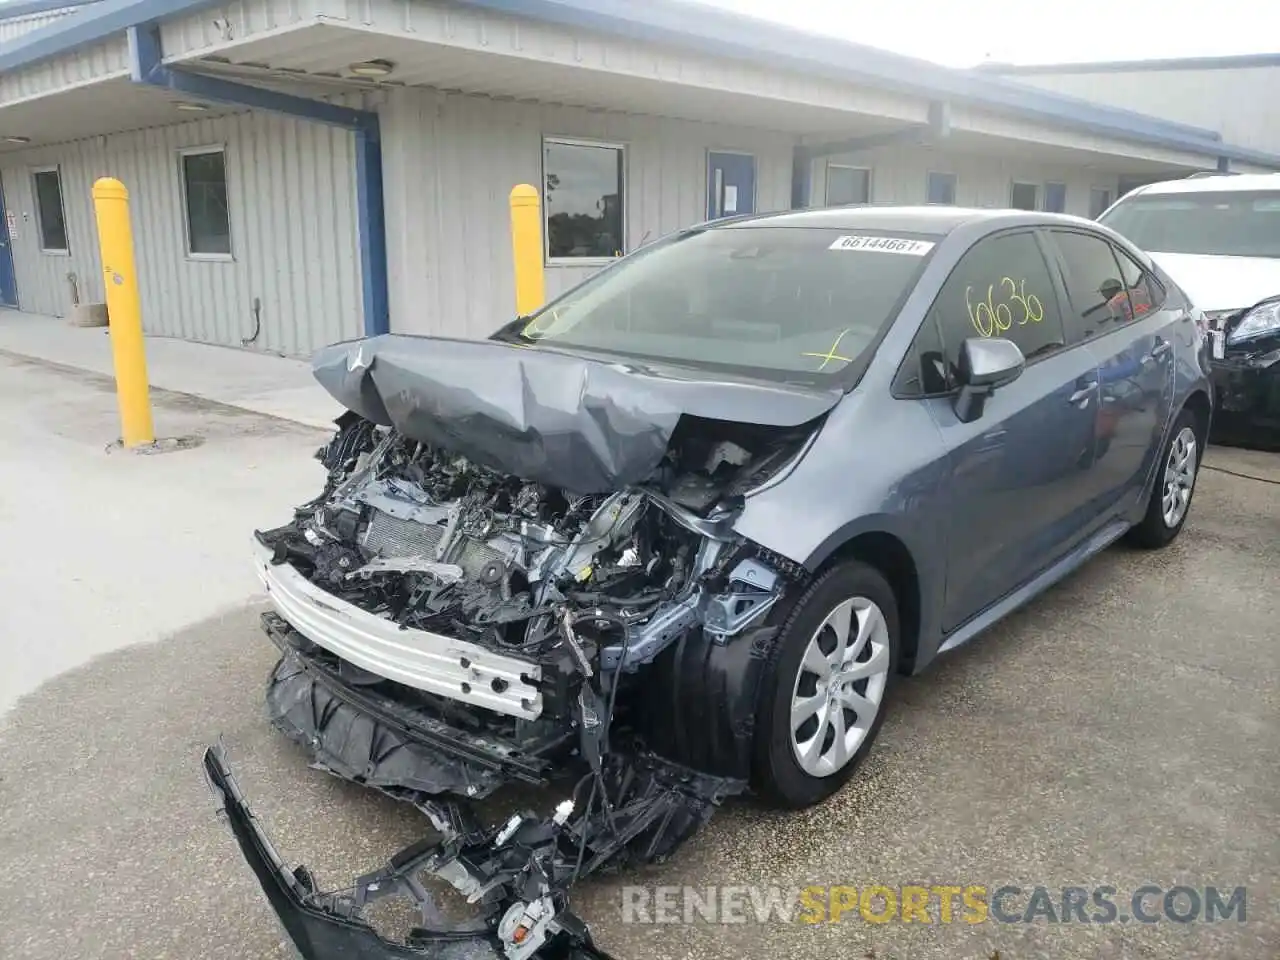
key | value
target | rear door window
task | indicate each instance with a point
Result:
(1098, 297)
(1000, 288)
(1146, 293)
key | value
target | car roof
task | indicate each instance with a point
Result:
(1226, 183)
(937, 220)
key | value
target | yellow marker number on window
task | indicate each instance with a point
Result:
(1032, 308)
(990, 318)
(987, 327)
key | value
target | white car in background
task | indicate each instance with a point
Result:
(1218, 237)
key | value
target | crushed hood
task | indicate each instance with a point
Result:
(1222, 283)
(584, 425)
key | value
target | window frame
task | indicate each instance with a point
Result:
(1117, 252)
(826, 186)
(624, 176)
(1048, 255)
(56, 170)
(181, 156)
(1039, 195)
(955, 188)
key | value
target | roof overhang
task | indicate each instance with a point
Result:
(670, 25)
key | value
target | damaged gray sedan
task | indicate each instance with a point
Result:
(672, 538)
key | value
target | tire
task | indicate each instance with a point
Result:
(1162, 523)
(778, 775)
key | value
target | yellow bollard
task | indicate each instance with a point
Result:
(124, 310)
(526, 243)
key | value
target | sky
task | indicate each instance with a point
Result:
(962, 33)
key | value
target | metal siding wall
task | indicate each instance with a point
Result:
(899, 175)
(291, 199)
(15, 27)
(1239, 103)
(107, 59)
(450, 162)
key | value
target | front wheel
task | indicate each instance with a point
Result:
(1176, 482)
(824, 689)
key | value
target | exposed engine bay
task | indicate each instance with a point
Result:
(447, 628)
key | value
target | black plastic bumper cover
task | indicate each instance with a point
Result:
(338, 932)
(361, 737)
(1247, 398)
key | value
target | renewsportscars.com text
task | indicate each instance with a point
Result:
(935, 903)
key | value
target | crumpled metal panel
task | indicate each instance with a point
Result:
(583, 425)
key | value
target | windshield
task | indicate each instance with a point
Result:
(794, 304)
(1232, 224)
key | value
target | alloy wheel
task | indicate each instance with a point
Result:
(1179, 477)
(839, 686)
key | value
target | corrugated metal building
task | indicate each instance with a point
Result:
(305, 170)
(1238, 96)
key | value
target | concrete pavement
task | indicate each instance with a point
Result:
(247, 379)
(1123, 729)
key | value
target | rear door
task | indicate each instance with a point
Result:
(1118, 311)
(1020, 472)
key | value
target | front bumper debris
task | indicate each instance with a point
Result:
(358, 735)
(445, 666)
(516, 875)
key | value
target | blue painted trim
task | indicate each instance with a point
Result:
(25, 8)
(1230, 62)
(146, 66)
(371, 213)
(99, 22)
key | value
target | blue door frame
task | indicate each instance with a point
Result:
(8, 280)
(731, 184)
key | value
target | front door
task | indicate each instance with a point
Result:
(731, 185)
(1019, 486)
(8, 282)
(1120, 313)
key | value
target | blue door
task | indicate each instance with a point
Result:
(8, 283)
(1020, 473)
(731, 185)
(1122, 316)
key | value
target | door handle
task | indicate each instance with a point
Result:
(1159, 350)
(1084, 393)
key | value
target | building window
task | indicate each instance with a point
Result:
(1024, 196)
(204, 190)
(584, 190)
(1099, 200)
(50, 215)
(1055, 198)
(847, 185)
(941, 188)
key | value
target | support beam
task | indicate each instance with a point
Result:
(146, 66)
(1224, 164)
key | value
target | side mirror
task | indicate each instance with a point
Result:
(985, 366)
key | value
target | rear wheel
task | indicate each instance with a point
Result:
(1175, 484)
(823, 692)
